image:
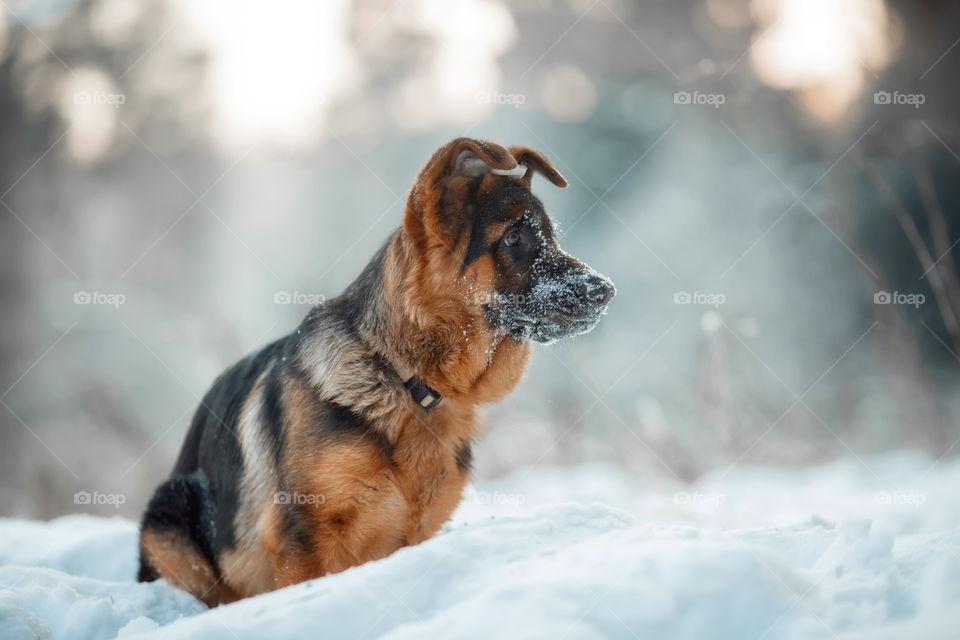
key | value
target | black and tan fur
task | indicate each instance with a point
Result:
(312, 456)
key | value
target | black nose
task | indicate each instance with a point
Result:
(598, 291)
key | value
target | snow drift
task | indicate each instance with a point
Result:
(854, 549)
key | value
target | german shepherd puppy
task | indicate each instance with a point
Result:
(350, 437)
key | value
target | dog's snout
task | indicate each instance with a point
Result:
(598, 290)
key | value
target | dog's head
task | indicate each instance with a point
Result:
(489, 239)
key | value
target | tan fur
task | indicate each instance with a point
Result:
(182, 565)
(368, 506)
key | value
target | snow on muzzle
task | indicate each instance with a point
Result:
(567, 298)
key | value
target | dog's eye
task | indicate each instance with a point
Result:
(512, 238)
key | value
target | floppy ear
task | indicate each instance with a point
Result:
(446, 183)
(536, 162)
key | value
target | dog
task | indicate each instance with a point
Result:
(351, 437)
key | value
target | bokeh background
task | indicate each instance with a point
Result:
(772, 185)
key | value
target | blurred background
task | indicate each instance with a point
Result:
(772, 185)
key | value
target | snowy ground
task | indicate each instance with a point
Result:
(855, 549)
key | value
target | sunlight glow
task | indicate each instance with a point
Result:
(823, 49)
(273, 67)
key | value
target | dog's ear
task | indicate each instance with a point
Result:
(444, 187)
(469, 158)
(536, 162)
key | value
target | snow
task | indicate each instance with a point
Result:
(855, 549)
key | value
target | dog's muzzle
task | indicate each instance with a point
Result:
(564, 305)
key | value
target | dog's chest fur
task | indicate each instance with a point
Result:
(357, 487)
(432, 465)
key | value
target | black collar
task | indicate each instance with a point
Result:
(423, 395)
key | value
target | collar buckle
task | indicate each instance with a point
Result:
(423, 395)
